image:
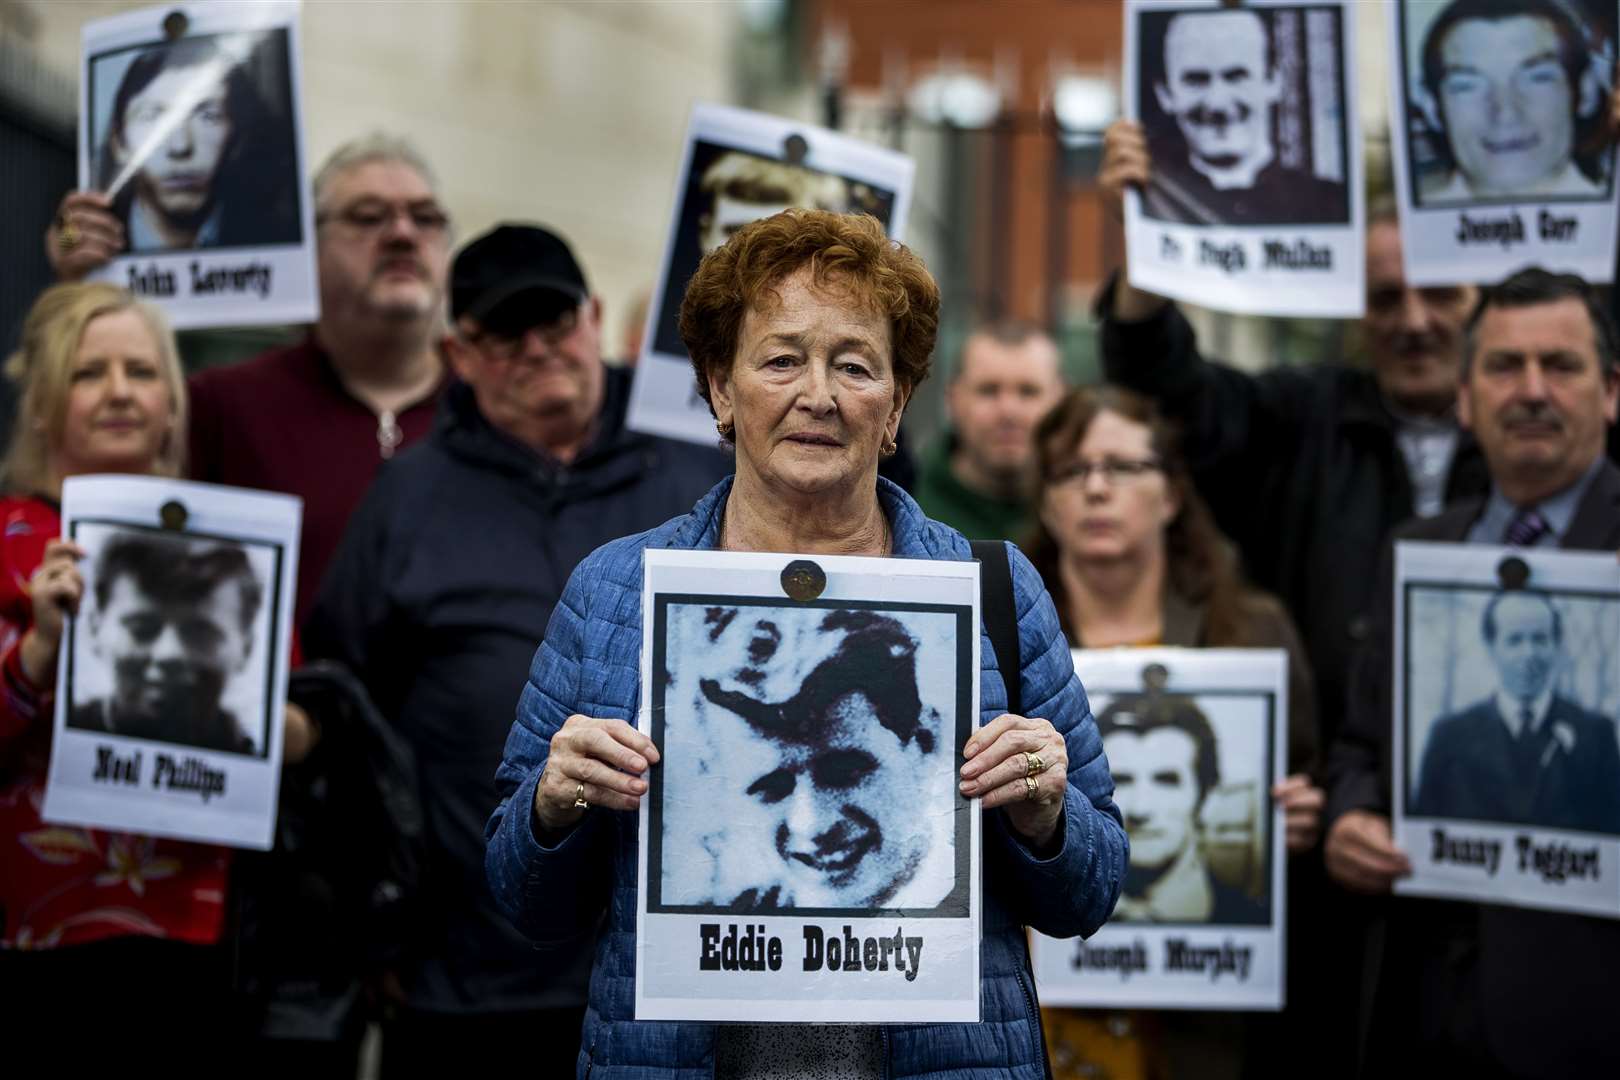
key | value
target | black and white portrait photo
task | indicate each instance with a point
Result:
(808, 759)
(1194, 739)
(191, 125)
(193, 140)
(1511, 708)
(1245, 111)
(171, 643)
(726, 188)
(171, 695)
(1507, 100)
(804, 852)
(1190, 777)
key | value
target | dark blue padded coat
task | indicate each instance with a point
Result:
(590, 663)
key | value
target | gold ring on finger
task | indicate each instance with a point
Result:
(579, 798)
(67, 237)
(1030, 787)
(1033, 765)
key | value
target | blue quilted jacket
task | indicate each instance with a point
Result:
(590, 663)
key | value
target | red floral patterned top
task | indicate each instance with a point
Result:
(60, 884)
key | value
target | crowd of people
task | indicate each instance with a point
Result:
(475, 511)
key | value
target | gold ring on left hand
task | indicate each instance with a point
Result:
(67, 235)
(579, 798)
(1033, 765)
(1030, 787)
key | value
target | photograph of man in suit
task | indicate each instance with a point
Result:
(1526, 755)
(1477, 988)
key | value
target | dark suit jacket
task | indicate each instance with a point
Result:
(1533, 991)
(1471, 770)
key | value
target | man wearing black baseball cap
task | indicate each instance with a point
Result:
(446, 578)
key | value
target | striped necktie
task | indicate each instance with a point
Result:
(1525, 529)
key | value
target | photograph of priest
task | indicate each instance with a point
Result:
(1214, 148)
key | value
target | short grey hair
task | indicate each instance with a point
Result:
(376, 146)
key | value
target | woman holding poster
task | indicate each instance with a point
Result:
(1132, 557)
(119, 930)
(808, 332)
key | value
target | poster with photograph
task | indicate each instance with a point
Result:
(805, 855)
(173, 679)
(1195, 739)
(1255, 204)
(738, 167)
(1507, 689)
(189, 121)
(1499, 134)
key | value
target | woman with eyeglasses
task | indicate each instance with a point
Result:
(1132, 557)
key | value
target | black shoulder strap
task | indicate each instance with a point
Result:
(1001, 616)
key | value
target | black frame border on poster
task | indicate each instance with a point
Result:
(1269, 697)
(1404, 725)
(278, 551)
(1345, 61)
(95, 136)
(957, 903)
(1404, 82)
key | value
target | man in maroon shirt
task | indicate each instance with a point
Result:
(316, 419)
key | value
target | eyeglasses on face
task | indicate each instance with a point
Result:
(1113, 470)
(368, 217)
(509, 346)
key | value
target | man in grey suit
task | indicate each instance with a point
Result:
(1526, 755)
(1480, 989)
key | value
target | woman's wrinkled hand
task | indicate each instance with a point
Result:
(1301, 803)
(595, 762)
(1021, 764)
(84, 235)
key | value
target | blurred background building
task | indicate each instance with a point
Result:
(571, 113)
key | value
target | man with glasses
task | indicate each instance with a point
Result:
(446, 578)
(318, 418)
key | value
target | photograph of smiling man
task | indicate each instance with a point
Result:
(1239, 131)
(823, 762)
(1509, 99)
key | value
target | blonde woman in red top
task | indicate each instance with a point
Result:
(107, 933)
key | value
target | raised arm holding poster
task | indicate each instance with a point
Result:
(738, 167)
(169, 700)
(1256, 203)
(1499, 128)
(1507, 690)
(189, 124)
(1195, 740)
(805, 853)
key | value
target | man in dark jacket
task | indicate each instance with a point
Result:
(1472, 989)
(1308, 468)
(443, 586)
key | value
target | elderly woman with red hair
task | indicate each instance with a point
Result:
(808, 333)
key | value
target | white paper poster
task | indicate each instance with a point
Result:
(1256, 203)
(1507, 685)
(190, 122)
(173, 678)
(1195, 739)
(1499, 135)
(805, 854)
(738, 167)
